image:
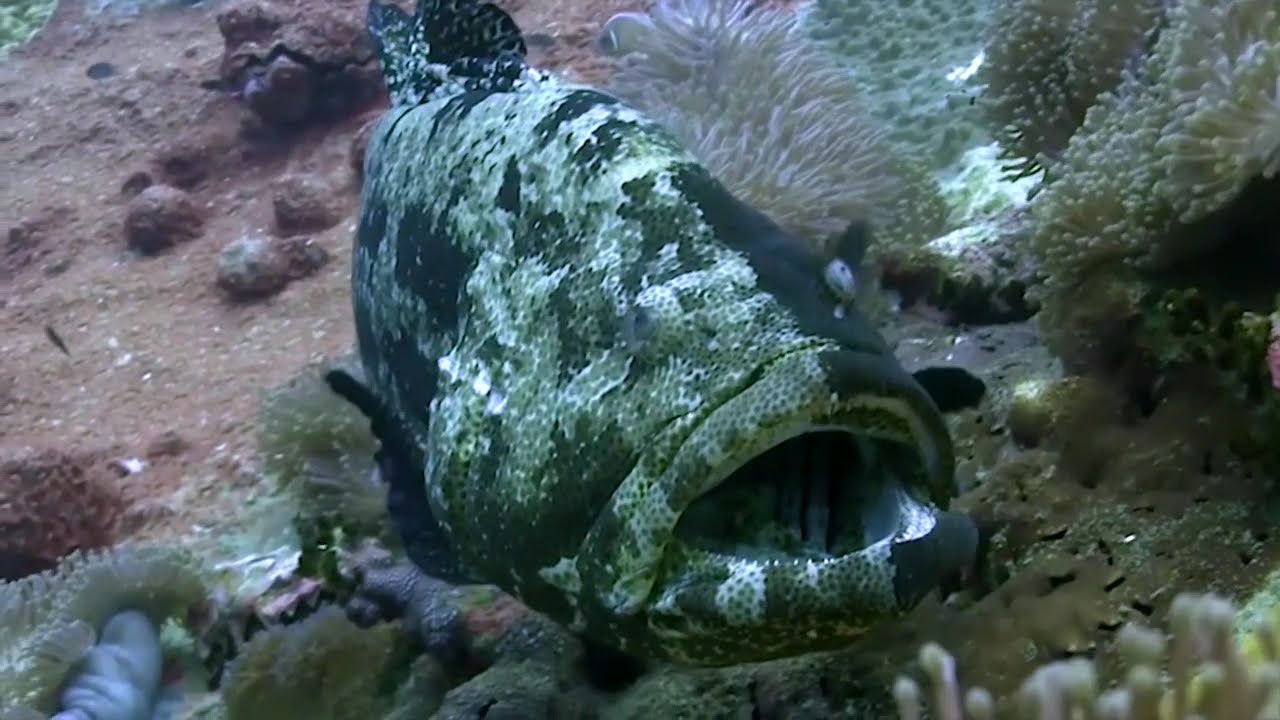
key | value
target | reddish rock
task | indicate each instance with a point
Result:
(160, 217)
(253, 267)
(303, 204)
(293, 67)
(52, 503)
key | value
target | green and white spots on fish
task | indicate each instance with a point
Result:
(634, 401)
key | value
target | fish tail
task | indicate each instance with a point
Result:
(444, 41)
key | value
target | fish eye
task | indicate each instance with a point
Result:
(619, 35)
(840, 279)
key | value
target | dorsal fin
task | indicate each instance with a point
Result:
(459, 40)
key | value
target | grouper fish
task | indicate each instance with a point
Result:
(605, 385)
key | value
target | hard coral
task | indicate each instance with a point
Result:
(51, 620)
(773, 116)
(52, 503)
(1212, 676)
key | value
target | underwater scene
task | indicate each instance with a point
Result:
(638, 359)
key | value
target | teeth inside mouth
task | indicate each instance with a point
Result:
(819, 495)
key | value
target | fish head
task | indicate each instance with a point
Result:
(791, 492)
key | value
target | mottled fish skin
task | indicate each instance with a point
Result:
(582, 332)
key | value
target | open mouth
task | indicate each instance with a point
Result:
(821, 494)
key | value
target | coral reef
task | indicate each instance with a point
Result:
(1046, 62)
(1184, 328)
(53, 621)
(775, 118)
(318, 447)
(1212, 676)
(1174, 166)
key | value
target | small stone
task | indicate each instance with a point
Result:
(281, 92)
(169, 443)
(136, 183)
(160, 217)
(303, 204)
(252, 267)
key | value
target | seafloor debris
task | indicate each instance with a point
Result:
(160, 217)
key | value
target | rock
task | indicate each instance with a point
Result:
(53, 502)
(160, 217)
(252, 267)
(979, 274)
(169, 443)
(280, 92)
(136, 182)
(303, 204)
(292, 68)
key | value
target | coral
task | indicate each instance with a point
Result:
(320, 667)
(1173, 164)
(914, 63)
(1046, 62)
(1038, 408)
(316, 445)
(253, 267)
(1186, 327)
(774, 117)
(160, 217)
(1212, 676)
(1223, 74)
(52, 503)
(19, 20)
(51, 620)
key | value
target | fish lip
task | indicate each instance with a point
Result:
(899, 563)
(632, 548)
